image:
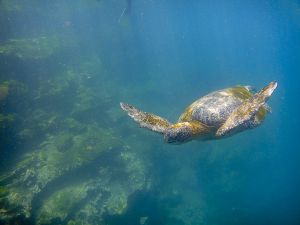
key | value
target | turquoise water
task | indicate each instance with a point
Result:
(70, 155)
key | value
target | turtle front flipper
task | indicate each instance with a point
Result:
(247, 109)
(147, 120)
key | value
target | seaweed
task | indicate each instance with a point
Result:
(34, 48)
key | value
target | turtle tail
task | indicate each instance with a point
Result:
(146, 120)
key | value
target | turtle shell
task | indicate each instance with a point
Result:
(214, 108)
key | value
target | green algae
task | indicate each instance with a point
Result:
(69, 144)
(60, 204)
(6, 121)
(56, 157)
(73, 124)
(66, 150)
(52, 161)
(116, 204)
(64, 142)
(12, 89)
(33, 48)
(136, 168)
(6, 118)
(3, 191)
(27, 134)
(4, 90)
(70, 126)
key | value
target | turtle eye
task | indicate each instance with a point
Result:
(170, 137)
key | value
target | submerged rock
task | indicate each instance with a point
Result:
(3, 92)
(33, 48)
(61, 203)
(5, 120)
(12, 89)
(71, 178)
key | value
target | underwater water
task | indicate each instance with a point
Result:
(70, 155)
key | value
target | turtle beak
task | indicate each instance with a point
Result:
(170, 140)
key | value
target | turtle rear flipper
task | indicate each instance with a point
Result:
(247, 109)
(147, 120)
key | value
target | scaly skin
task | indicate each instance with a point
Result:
(247, 110)
(147, 120)
(213, 116)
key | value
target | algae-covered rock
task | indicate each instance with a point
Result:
(73, 125)
(13, 101)
(79, 171)
(137, 170)
(33, 48)
(78, 92)
(61, 203)
(3, 191)
(39, 123)
(57, 157)
(3, 92)
(64, 84)
(135, 173)
(26, 134)
(77, 168)
(82, 179)
(64, 152)
(117, 202)
(6, 119)
(113, 186)
(12, 88)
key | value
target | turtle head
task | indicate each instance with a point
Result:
(178, 133)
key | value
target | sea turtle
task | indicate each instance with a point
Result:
(216, 115)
